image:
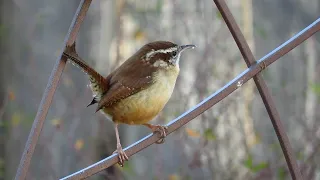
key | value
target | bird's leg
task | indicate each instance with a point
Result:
(121, 154)
(160, 129)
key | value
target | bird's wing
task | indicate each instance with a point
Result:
(130, 78)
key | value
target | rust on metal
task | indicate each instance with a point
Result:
(206, 103)
(49, 92)
(262, 87)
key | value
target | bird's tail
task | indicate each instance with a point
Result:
(97, 81)
(76, 60)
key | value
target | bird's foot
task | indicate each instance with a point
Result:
(162, 130)
(121, 155)
(263, 65)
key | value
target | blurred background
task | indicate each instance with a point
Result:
(232, 140)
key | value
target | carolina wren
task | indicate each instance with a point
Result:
(138, 89)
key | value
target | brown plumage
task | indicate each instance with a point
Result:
(138, 89)
(121, 84)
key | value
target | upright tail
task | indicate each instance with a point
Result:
(71, 54)
(98, 82)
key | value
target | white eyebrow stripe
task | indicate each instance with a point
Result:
(153, 52)
(160, 63)
(166, 50)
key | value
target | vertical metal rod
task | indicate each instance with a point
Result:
(263, 89)
(49, 92)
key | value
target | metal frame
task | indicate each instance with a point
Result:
(254, 68)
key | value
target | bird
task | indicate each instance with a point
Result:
(136, 91)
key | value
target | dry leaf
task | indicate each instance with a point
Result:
(192, 133)
(254, 140)
(56, 123)
(173, 177)
(79, 144)
(11, 95)
(139, 35)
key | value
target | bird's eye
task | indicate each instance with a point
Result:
(174, 53)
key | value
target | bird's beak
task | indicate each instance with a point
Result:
(189, 46)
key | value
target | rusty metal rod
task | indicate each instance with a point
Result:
(205, 104)
(263, 89)
(49, 92)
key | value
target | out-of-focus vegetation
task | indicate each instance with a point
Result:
(232, 140)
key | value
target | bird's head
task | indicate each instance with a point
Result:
(164, 53)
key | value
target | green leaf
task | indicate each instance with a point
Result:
(128, 168)
(300, 155)
(315, 88)
(16, 119)
(259, 30)
(159, 6)
(281, 174)
(248, 162)
(259, 167)
(209, 135)
(274, 146)
(219, 16)
(28, 119)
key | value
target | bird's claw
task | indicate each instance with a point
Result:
(162, 130)
(263, 65)
(121, 155)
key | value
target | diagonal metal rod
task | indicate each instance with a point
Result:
(263, 89)
(49, 92)
(205, 104)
